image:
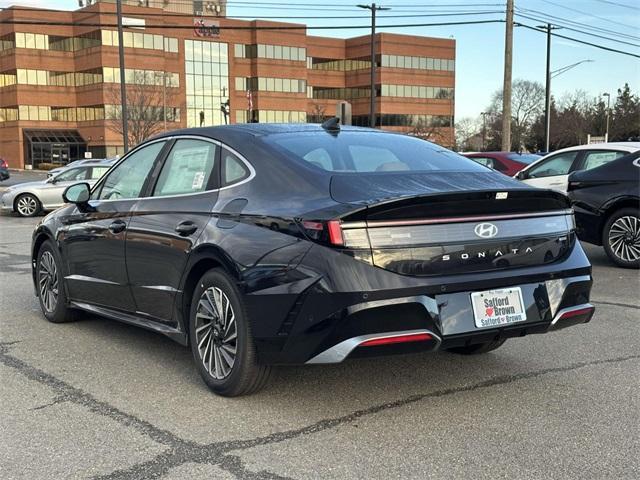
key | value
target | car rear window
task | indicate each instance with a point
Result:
(524, 158)
(369, 152)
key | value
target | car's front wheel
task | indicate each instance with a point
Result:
(27, 205)
(621, 237)
(51, 294)
(221, 340)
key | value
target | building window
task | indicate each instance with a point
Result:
(413, 91)
(269, 84)
(276, 52)
(207, 77)
(419, 63)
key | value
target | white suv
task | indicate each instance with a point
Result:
(552, 171)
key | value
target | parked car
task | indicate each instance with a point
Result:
(508, 163)
(4, 169)
(107, 161)
(31, 198)
(606, 201)
(262, 244)
(552, 171)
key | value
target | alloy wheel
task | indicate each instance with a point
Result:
(216, 333)
(48, 282)
(624, 238)
(27, 205)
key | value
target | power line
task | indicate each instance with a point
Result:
(601, 47)
(261, 27)
(580, 31)
(561, 21)
(332, 17)
(589, 14)
(618, 4)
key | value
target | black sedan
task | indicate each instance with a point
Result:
(264, 244)
(607, 207)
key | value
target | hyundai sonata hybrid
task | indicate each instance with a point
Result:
(265, 244)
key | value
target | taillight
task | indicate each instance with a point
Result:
(335, 233)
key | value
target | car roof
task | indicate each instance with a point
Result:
(629, 146)
(262, 129)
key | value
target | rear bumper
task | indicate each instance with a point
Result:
(325, 320)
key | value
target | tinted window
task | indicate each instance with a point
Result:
(234, 168)
(597, 158)
(127, 179)
(369, 152)
(188, 168)
(557, 165)
(72, 174)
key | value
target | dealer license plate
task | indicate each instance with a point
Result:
(494, 308)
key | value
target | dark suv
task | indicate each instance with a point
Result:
(268, 244)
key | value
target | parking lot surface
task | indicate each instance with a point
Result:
(100, 399)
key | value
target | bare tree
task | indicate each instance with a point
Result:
(468, 134)
(149, 107)
(527, 105)
(433, 133)
(317, 112)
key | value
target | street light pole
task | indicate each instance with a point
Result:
(372, 105)
(608, 95)
(506, 87)
(547, 97)
(123, 87)
(484, 130)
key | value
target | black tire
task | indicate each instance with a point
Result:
(478, 348)
(244, 375)
(60, 313)
(623, 257)
(27, 205)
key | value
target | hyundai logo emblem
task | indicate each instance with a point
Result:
(486, 230)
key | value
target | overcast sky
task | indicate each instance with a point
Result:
(480, 48)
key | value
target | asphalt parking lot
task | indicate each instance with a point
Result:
(99, 399)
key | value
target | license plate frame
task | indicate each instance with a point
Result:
(498, 311)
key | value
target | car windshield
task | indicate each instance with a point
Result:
(351, 151)
(527, 158)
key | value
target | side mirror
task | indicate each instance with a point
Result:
(51, 179)
(521, 175)
(78, 194)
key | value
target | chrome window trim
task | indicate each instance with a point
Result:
(252, 171)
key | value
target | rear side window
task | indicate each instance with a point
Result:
(73, 174)
(234, 170)
(524, 157)
(356, 152)
(486, 161)
(598, 158)
(188, 168)
(97, 172)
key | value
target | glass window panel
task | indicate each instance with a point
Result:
(415, 62)
(270, 51)
(42, 77)
(286, 53)
(127, 38)
(423, 92)
(271, 84)
(138, 40)
(29, 40)
(158, 42)
(147, 41)
(20, 40)
(262, 51)
(188, 168)
(278, 85)
(429, 63)
(423, 63)
(127, 179)
(239, 50)
(277, 51)
(415, 91)
(436, 64)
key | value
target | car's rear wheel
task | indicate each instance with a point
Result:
(621, 237)
(51, 294)
(221, 340)
(27, 205)
(477, 348)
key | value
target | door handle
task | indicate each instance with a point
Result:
(186, 228)
(117, 226)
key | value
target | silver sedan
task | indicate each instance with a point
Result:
(29, 199)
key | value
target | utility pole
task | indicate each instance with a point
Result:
(608, 95)
(372, 106)
(123, 87)
(547, 97)
(506, 88)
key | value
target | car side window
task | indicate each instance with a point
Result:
(596, 158)
(73, 174)
(559, 164)
(486, 161)
(234, 170)
(320, 158)
(189, 168)
(128, 178)
(375, 159)
(97, 172)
